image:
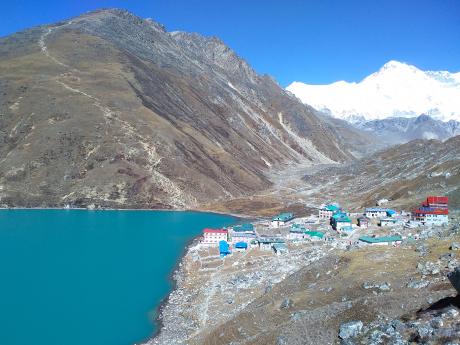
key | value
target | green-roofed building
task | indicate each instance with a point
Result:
(328, 211)
(314, 235)
(248, 227)
(296, 232)
(382, 240)
(340, 220)
(282, 219)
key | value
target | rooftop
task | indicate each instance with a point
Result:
(376, 209)
(383, 239)
(284, 217)
(315, 234)
(215, 231)
(431, 210)
(243, 227)
(270, 240)
(331, 207)
(251, 235)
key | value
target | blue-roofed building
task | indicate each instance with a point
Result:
(241, 246)
(391, 213)
(282, 219)
(378, 212)
(224, 248)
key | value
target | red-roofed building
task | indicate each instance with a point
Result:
(434, 211)
(437, 202)
(214, 236)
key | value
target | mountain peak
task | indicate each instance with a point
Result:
(397, 89)
(393, 64)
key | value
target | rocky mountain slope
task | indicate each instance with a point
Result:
(112, 110)
(308, 295)
(403, 174)
(397, 130)
(396, 90)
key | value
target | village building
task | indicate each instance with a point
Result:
(389, 222)
(376, 212)
(326, 212)
(431, 216)
(266, 243)
(346, 229)
(382, 202)
(214, 236)
(245, 237)
(248, 227)
(296, 232)
(282, 219)
(434, 211)
(340, 221)
(363, 222)
(314, 235)
(280, 248)
(437, 202)
(241, 246)
(381, 241)
(224, 248)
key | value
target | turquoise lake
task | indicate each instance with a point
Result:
(75, 277)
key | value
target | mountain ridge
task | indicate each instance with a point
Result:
(109, 109)
(396, 90)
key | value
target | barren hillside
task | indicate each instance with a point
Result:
(111, 109)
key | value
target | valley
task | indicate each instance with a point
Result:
(108, 110)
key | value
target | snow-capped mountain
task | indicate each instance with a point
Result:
(396, 90)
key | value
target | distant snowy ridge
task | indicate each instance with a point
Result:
(396, 90)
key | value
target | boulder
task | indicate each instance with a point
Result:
(454, 278)
(287, 303)
(417, 284)
(455, 246)
(350, 329)
(429, 268)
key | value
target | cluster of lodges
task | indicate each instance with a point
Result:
(243, 237)
(299, 232)
(341, 221)
(337, 217)
(434, 211)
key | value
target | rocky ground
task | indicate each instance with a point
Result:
(305, 296)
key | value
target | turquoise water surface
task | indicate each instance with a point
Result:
(74, 277)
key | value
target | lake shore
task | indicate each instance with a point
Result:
(235, 215)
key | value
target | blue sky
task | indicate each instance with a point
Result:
(312, 41)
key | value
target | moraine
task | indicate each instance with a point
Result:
(89, 277)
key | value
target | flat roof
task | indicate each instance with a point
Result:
(215, 231)
(284, 216)
(382, 239)
(315, 233)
